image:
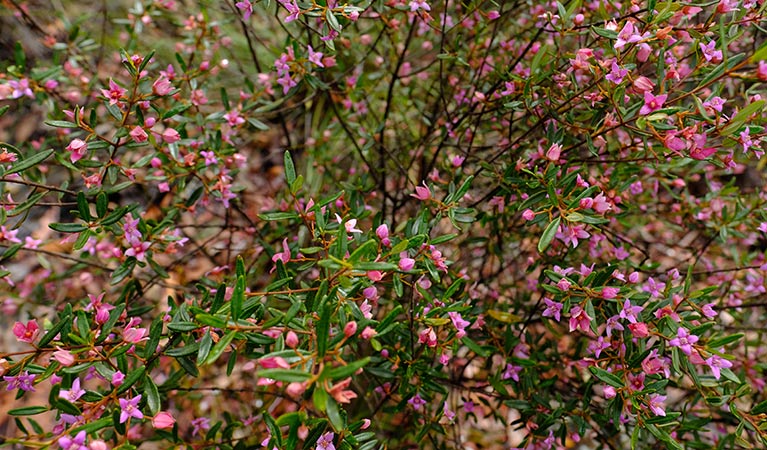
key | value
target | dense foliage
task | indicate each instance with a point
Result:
(383, 224)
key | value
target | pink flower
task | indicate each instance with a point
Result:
(652, 103)
(138, 134)
(274, 362)
(655, 402)
(73, 443)
(554, 152)
(315, 57)
(610, 292)
(292, 8)
(129, 408)
(422, 192)
(115, 93)
(134, 334)
(368, 333)
(73, 394)
(163, 420)
(340, 393)
(406, 264)
(162, 86)
(627, 35)
(639, 329)
(325, 442)
(26, 333)
(283, 256)
(761, 71)
(710, 52)
(580, 319)
(629, 312)
(553, 309)
(716, 363)
(684, 340)
(78, 147)
(246, 7)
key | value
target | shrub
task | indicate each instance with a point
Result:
(385, 224)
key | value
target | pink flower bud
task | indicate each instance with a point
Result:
(291, 339)
(170, 135)
(639, 329)
(350, 329)
(528, 214)
(406, 264)
(138, 134)
(554, 152)
(98, 444)
(643, 84)
(64, 357)
(163, 420)
(609, 392)
(369, 333)
(295, 389)
(375, 275)
(150, 121)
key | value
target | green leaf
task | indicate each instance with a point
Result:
(323, 330)
(48, 337)
(205, 345)
(130, 379)
(548, 234)
(286, 375)
(347, 370)
(83, 208)
(220, 347)
(182, 326)
(238, 297)
(740, 118)
(334, 415)
(607, 377)
(290, 168)
(67, 227)
(279, 216)
(123, 270)
(94, 426)
(28, 411)
(152, 395)
(60, 124)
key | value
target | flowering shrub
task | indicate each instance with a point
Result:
(385, 225)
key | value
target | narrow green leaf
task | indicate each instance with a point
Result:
(286, 375)
(323, 329)
(548, 235)
(607, 377)
(152, 395)
(28, 411)
(67, 227)
(347, 370)
(130, 379)
(220, 347)
(290, 168)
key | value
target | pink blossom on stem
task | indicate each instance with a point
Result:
(652, 103)
(77, 148)
(422, 192)
(129, 408)
(26, 333)
(115, 93)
